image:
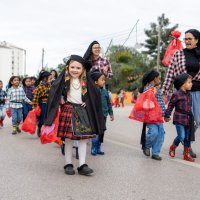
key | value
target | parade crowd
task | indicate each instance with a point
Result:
(74, 105)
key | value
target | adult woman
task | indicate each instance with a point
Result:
(92, 55)
(187, 61)
(54, 74)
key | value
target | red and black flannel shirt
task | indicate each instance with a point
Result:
(176, 67)
(181, 101)
(100, 63)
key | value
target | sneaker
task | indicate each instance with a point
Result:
(69, 169)
(84, 170)
(18, 129)
(156, 157)
(14, 132)
(146, 151)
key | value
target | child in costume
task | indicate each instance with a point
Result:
(81, 114)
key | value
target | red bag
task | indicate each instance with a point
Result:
(37, 110)
(49, 133)
(9, 112)
(173, 46)
(30, 122)
(147, 109)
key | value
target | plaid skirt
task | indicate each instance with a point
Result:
(65, 124)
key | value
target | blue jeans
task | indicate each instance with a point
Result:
(26, 108)
(182, 135)
(155, 137)
(16, 116)
(2, 111)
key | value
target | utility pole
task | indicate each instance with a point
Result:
(42, 58)
(160, 24)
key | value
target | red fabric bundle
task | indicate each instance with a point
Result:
(147, 109)
(49, 133)
(30, 123)
(173, 46)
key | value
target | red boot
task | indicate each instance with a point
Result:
(187, 155)
(172, 150)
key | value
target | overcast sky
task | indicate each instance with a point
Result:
(65, 27)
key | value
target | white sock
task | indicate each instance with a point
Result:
(82, 147)
(68, 151)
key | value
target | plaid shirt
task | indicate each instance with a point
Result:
(2, 96)
(181, 101)
(158, 97)
(29, 91)
(100, 63)
(41, 93)
(15, 97)
(176, 67)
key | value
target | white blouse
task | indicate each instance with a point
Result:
(74, 95)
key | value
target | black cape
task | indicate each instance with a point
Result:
(92, 100)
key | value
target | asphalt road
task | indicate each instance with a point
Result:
(32, 171)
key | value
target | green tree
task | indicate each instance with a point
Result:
(152, 37)
(128, 67)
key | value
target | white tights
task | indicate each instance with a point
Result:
(82, 148)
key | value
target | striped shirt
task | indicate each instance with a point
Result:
(15, 97)
(158, 97)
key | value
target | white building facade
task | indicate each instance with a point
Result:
(12, 61)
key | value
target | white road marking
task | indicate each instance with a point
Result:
(192, 164)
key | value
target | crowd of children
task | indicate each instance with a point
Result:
(83, 104)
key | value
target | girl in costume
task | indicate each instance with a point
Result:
(81, 114)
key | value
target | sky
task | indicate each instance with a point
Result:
(65, 27)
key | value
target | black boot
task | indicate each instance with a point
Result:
(192, 154)
(38, 131)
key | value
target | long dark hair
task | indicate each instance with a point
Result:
(196, 35)
(56, 74)
(147, 78)
(24, 80)
(11, 80)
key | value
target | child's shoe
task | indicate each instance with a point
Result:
(156, 157)
(172, 150)
(192, 154)
(146, 151)
(99, 149)
(14, 132)
(18, 129)
(94, 149)
(187, 156)
(84, 170)
(69, 169)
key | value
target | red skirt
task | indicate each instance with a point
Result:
(65, 124)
